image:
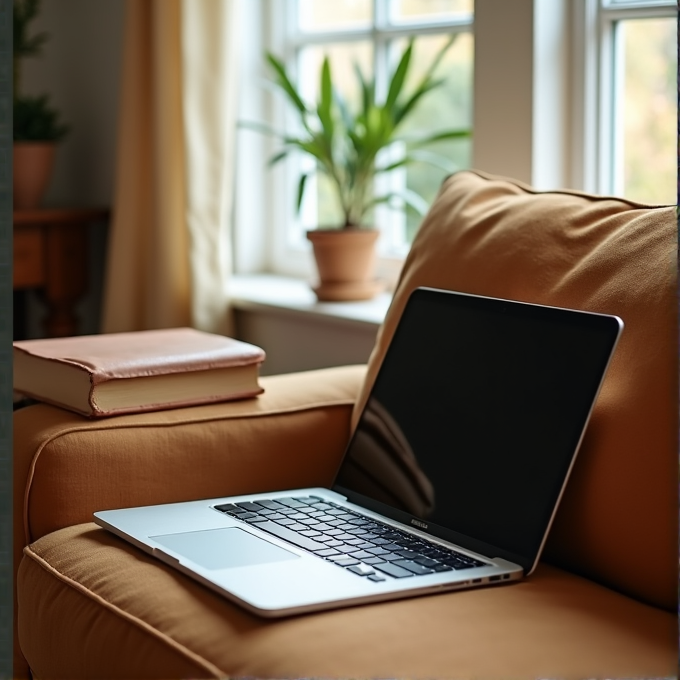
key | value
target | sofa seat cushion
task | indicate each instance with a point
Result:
(84, 595)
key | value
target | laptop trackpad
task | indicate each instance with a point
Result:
(224, 548)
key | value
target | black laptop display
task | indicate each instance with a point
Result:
(474, 418)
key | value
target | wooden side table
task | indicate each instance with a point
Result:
(51, 254)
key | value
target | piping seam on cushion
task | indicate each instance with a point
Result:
(181, 649)
(529, 189)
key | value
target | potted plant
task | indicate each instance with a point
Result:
(345, 145)
(35, 127)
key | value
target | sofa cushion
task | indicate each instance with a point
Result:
(292, 435)
(85, 595)
(492, 236)
(67, 466)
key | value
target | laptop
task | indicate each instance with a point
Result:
(451, 479)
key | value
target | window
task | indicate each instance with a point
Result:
(567, 93)
(372, 33)
(630, 89)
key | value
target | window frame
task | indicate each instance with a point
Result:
(283, 38)
(596, 81)
(550, 137)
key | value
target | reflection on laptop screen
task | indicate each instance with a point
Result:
(476, 413)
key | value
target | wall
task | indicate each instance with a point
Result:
(302, 342)
(79, 68)
(522, 70)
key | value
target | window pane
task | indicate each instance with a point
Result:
(324, 15)
(321, 207)
(448, 107)
(409, 10)
(649, 110)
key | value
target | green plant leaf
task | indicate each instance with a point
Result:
(278, 157)
(326, 89)
(345, 141)
(345, 114)
(431, 158)
(414, 201)
(301, 191)
(31, 47)
(407, 196)
(285, 84)
(23, 13)
(34, 119)
(435, 137)
(427, 82)
(324, 110)
(440, 55)
(399, 77)
(394, 165)
(262, 128)
(312, 147)
(402, 110)
(367, 89)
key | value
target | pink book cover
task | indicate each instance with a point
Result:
(140, 354)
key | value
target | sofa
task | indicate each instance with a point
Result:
(601, 603)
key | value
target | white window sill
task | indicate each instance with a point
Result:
(294, 297)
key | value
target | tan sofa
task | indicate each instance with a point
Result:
(601, 604)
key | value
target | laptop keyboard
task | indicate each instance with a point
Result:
(360, 544)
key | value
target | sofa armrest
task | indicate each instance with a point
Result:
(66, 466)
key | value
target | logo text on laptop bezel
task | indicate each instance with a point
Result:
(418, 523)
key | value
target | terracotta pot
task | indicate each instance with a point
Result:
(32, 171)
(345, 261)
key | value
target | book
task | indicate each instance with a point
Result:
(115, 373)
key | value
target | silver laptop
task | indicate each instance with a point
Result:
(451, 479)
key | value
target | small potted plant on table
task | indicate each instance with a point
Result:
(36, 127)
(345, 145)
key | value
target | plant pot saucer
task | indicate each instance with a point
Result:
(348, 291)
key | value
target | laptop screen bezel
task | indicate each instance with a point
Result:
(527, 562)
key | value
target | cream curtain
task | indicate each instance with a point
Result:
(169, 253)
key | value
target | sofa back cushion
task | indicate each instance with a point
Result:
(617, 522)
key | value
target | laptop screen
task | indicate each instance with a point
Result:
(476, 414)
